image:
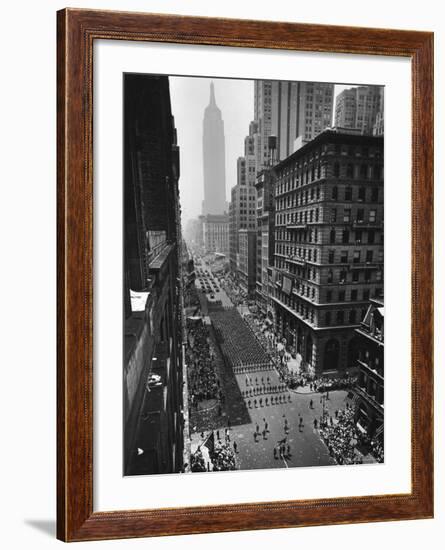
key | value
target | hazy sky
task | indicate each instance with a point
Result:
(189, 98)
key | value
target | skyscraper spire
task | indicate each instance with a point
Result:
(213, 143)
(212, 95)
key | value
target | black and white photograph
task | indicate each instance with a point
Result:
(253, 291)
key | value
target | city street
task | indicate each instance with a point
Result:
(256, 450)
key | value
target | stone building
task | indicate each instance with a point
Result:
(358, 108)
(247, 261)
(370, 363)
(265, 236)
(215, 229)
(152, 290)
(328, 259)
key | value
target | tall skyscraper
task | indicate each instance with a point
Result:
(213, 148)
(289, 110)
(357, 108)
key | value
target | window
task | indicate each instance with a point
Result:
(330, 276)
(317, 214)
(366, 295)
(344, 257)
(367, 276)
(360, 215)
(369, 255)
(348, 193)
(378, 276)
(332, 236)
(327, 318)
(371, 236)
(355, 276)
(364, 171)
(375, 194)
(356, 257)
(372, 215)
(331, 256)
(340, 317)
(350, 171)
(336, 170)
(345, 236)
(329, 296)
(341, 296)
(342, 276)
(333, 215)
(362, 194)
(335, 193)
(347, 215)
(354, 295)
(358, 237)
(352, 316)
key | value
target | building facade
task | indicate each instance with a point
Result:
(289, 110)
(247, 261)
(328, 258)
(358, 108)
(265, 235)
(216, 234)
(370, 364)
(213, 151)
(152, 290)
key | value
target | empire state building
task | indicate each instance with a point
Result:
(213, 148)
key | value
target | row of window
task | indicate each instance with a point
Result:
(306, 312)
(362, 194)
(358, 217)
(354, 276)
(299, 176)
(354, 295)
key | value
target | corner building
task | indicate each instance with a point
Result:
(328, 259)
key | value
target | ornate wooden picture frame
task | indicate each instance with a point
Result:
(77, 31)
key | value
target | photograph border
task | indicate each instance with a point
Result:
(76, 32)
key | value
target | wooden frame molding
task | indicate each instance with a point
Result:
(76, 32)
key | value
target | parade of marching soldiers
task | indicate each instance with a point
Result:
(254, 327)
(250, 405)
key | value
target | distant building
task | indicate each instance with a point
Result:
(287, 114)
(193, 233)
(265, 235)
(216, 233)
(288, 110)
(328, 259)
(359, 108)
(152, 292)
(370, 363)
(213, 150)
(247, 261)
(242, 205)
(379, 125)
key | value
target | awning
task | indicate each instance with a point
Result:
(138, 300)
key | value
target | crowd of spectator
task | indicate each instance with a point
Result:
(342, 437)
(203, 383)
